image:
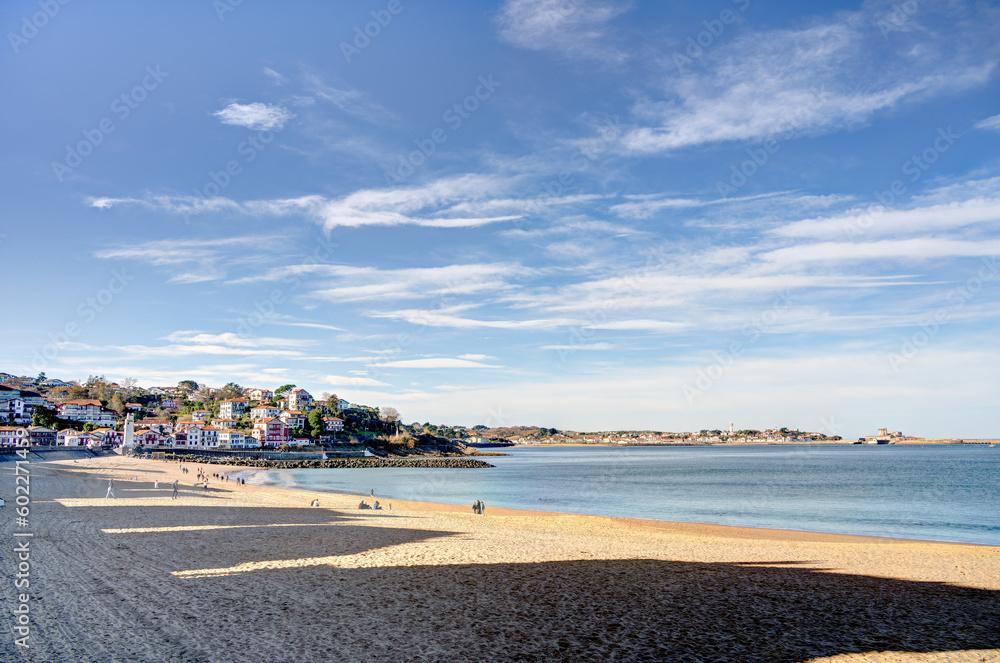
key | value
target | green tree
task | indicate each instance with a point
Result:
(187, 385)
(314, 424)
(282, 389)
(43, 416)
(229, 391)
(76, 391)
(117, 404)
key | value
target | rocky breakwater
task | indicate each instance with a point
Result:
(351, 463)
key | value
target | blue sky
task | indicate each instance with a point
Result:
(570, 213)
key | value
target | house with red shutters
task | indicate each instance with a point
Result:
(270, 432)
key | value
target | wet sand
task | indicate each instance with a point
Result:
(256, 574)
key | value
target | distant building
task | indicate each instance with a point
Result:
(333, 424)
(270, 432)
(264, 412)
(299, 399)
(9, 436)
(41, 436)
(259, 394)
(230, 438)
(294, 420)
(86, 410)
(233, 408)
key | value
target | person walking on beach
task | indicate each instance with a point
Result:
(111, 489)
(156, 484)
(174, 496)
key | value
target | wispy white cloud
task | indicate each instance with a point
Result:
(435, 362)
(274, 76)
(581, 346)
(351, 381)
(876, 220)
(341, 283)
(809, 80)
(231, 339)
(574, 30)
(192, 261)
(446, 317)
(352, 102)
(922, 248)
(989, 124)
(257, 116)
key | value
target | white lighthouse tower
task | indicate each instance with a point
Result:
(129, 442)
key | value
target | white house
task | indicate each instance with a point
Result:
(260, 394)
(294, 420)
(200, 415)
(15, 411)
(163, 426)
(299, 399)
(270, 432)
(9, 436)
(79, 439)
(333, 424)
(148, 438)
(86, 410)
(230, 438)
(201, 436)
(264, 412)
(233, 408)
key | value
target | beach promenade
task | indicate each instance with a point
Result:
(246, 573)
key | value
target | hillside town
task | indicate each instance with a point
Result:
(48, 411)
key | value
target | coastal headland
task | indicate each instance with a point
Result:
(255, 573)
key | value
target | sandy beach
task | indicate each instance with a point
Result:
(245, 573)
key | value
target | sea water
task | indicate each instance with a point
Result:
(929, 492)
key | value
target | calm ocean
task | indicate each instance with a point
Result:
(932, 492)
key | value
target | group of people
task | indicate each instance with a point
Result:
(202, 479)
(478, 507)
(156, 485)
(375, 507)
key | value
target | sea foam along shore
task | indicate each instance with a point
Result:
(255, 574)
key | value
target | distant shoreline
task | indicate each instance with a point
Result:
(825, 443)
